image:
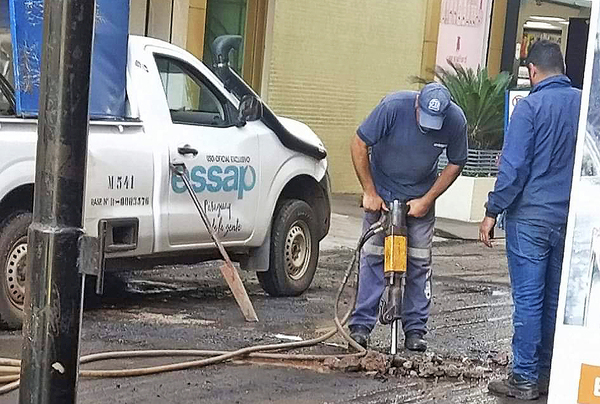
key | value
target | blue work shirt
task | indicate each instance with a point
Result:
(536, 167)
(403, 158)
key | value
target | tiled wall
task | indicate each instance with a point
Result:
(332, 61)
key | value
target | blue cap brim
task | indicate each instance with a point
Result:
(426, 120)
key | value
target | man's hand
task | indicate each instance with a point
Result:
(373, 203)
(419, 207)
(485, 231)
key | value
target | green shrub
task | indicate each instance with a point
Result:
(482, 99)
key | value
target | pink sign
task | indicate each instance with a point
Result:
(464, 32)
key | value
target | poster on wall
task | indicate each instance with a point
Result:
(576, 364)
(464, 32)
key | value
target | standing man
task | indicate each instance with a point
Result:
(533, 188)
(406, 133)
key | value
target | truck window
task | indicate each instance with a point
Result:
(4, 105)
(6, 72)
(190, 100)
(7, 96)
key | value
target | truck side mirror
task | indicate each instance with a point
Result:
(251, 109)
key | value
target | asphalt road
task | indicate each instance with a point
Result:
(191, 308)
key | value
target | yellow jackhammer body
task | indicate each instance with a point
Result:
(395, 267)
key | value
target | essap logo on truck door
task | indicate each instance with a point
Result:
(214, 179)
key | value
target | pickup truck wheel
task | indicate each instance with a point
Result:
(294, 250)
(13, 261)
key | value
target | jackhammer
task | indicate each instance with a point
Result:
(395, 266)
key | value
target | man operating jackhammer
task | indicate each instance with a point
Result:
(406, 134)
(532, 189)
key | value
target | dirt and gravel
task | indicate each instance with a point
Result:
(191, 308)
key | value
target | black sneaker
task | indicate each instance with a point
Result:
(515, 386)
(413, 341)
(360, 334)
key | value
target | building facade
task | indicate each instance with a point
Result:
(329, 63)
(326, 63)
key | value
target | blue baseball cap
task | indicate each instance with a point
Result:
(434, 102)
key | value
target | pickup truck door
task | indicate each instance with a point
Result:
(222, 159)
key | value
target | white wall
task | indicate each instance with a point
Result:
(465, 199)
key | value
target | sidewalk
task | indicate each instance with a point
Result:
(347, 218)
(456, 229)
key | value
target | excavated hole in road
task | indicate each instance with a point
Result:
(425, 366)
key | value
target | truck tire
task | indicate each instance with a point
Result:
(294, 250)
(13, 262)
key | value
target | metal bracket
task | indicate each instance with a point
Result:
(91, 259)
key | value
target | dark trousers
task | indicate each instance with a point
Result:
(417, 295)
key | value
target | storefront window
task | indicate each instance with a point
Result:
(564, 22)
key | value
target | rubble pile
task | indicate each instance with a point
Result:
(372, 362)
(427, 366)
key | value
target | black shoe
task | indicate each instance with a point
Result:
(413, 341)
(515, 386)
(360, 334)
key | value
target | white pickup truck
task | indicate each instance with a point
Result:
(261, 179)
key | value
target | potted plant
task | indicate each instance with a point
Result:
(482, 98)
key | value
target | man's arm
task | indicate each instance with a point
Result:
(372, 202)
(515, 162)
(515, 166)
(419, 207)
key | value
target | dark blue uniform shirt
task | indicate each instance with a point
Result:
(536, 167)
(403, 158)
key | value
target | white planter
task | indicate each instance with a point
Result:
(464, 200)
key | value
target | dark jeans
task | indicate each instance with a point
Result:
(535, 254)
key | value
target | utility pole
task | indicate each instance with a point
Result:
(50, 359)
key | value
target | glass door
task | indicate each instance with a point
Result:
(225, 17)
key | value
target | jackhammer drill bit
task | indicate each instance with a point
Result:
(395, 265)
